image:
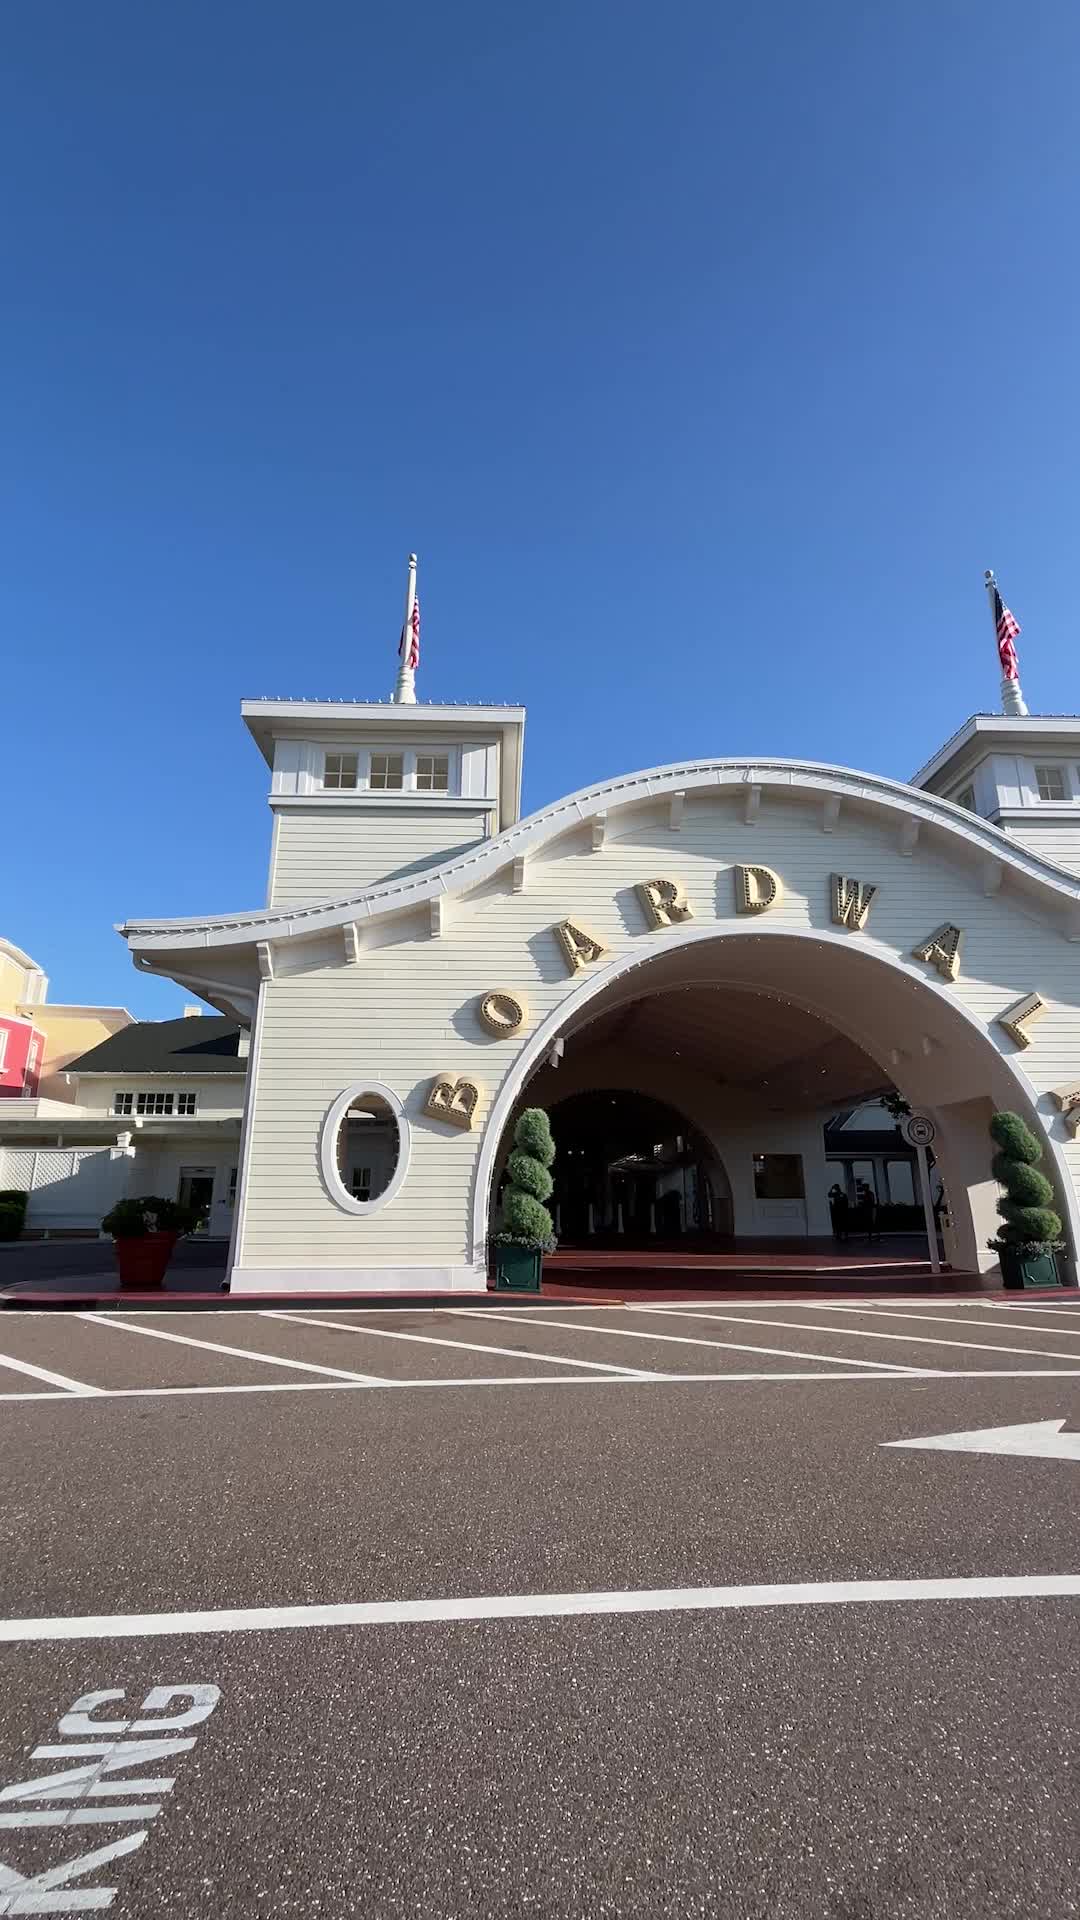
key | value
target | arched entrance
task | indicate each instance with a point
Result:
(634, 1172)
(753, 1038)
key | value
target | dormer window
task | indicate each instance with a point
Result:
(1051, 784)
(387, 773)
(432, 772)
(339, 770)
(967, 799)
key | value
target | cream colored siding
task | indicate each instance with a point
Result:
(329, 855)
(216, 1099)
(406, 1010)
(1055, 841)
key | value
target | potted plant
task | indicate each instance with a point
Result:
(1030, 1240)
(12, 1212)
(526, 1233)
(144, 1232)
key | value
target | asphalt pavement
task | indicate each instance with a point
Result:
(626, 1624)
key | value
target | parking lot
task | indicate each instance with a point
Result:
(553, 1610)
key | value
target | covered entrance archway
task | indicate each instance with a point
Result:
(754, 1040)
(633, 1173)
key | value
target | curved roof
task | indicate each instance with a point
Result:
(804, 779)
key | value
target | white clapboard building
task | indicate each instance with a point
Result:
(153, 1109)
(690, 966)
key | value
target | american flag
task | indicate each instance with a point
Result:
(1008, 630)
(409, 647)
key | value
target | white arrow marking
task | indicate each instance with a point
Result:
(1040, 1439)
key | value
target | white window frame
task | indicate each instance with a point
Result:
(389, 753)
(5, 1036)
(1061, 769)
(341, 753)
(328, 1160)
(409, 756)
(144, 1111)
(190, 1108)
(436, 753)
(123, 1105)
(966, 799)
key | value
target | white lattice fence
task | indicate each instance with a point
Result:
(68, 1186)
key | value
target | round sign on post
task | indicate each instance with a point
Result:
(920, 1133)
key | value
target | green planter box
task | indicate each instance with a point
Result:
(517, 1269)
(1029, 1270)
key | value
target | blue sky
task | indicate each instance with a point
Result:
(706, 355)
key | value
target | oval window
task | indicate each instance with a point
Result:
(364, 1147)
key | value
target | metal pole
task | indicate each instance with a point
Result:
(928, 1208)
(405, 690)
(1012, 693)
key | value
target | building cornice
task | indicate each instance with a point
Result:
(786, 779)
(1009, 729)
(394, 802)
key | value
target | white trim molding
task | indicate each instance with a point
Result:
(328, 1138)
(699, 781)
(358, 1280)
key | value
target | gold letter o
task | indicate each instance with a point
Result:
(501, 1013)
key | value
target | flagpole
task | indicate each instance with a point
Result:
(1012, 694)
(405, 690)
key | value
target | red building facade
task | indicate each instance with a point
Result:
(22, 1049)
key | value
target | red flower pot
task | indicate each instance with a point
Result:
(143, 1261)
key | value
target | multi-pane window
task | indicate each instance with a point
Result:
(432, 772)
(154, 1103)
(360, 1183)
(339, 770)
(157, 1105)
(387, 772)
(1051, 783)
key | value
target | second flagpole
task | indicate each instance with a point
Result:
(405, 690)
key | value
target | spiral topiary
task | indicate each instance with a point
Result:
(1030, 1220)
(526, 1220)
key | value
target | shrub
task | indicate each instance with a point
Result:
(1031, 1225)
(526, 1221)
(11, 1222)
(12, 1212)
(132, 1219)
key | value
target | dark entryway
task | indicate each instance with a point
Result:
(633, 1173)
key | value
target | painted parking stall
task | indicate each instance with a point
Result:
(90, 1354)
(829, 1558)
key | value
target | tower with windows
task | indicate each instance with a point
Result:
(1019, 772)
(366, 792)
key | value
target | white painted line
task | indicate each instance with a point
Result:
(540, 1606)
(881, 1377)
(467, 1346)
(1063, 1313)
(80, 1817)
(874, 1333)
(684, 1340)
(42, 1373)
(236, 1353)
(944, 1320)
